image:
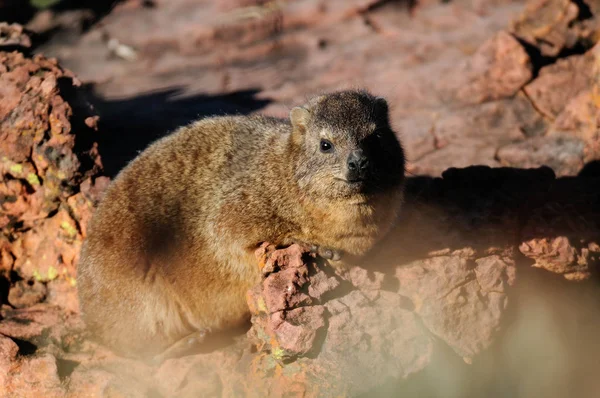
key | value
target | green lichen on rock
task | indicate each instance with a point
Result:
(49, 276)
(69, 229)
(16, 168)
(33, 179)
(262, 306)
(278, 353)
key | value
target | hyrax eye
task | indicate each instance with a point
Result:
(326, 146)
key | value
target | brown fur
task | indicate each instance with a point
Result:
(171, 247)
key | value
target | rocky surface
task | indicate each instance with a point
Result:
(470, 82)
(48, 184)
(493, 267)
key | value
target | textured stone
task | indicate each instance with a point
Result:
(498, 69)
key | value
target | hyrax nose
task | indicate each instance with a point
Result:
(357, 161)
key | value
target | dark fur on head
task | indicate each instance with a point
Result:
(355, 123)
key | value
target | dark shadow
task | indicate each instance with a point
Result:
(127, 126)
(19, 11)
(64, 20)
(4, 287)
(26, 348)
(22, 11)
(484, 207)
(591, 169)
(65, 367)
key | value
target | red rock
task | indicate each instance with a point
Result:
(6, 258)
(548, 24)
(282, 290)
(463, 154)
(37, 142)
(26, 293)
(444, 280)
(31, 322)
(8, 354)
(580, 119)
(560, 233)
(498, 69)
(560, 82)
(297, 329)
(321, 283)
(62, 292)
(45, 179)
(564, 154)
(363, 347)
(453, 303)
(558, 255)
(35, 377)
(13, 35)
(90, 382)
(50, 250)
(209, 374)
(288, 330)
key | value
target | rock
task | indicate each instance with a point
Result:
(351, 325)
(26, 293)
(561, 232)
(13, 35)
(442, 278)
(498, 69)
(371, 343)
(564, 154)
(8, 355)
(90, 382)
(37, 151)
(560, 82)
(580, 119)
(463, 154)
(49, 177)
(62, 293)
(560, 256)
(549, 25)
(441, 285)
(32, 323)
(36, 377)
(460, 300)
(285, 312)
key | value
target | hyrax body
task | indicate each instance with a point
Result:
(170, 252)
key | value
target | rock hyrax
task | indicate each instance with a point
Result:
(170, 252)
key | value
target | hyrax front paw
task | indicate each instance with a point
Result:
(186, 345)
(325, 252)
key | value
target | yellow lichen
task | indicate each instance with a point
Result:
(16, 168)
(52, 273)
(69, 229)
(33, 179)
(262, 306)
(277, 353)
(37, 276)
(40, 277)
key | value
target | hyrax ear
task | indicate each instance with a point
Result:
(381, 108)
(299, 118)
(382, 104)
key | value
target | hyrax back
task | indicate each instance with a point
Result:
(170, 248)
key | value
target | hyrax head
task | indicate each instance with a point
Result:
(346, 146)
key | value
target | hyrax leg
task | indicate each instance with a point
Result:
(181, 347)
